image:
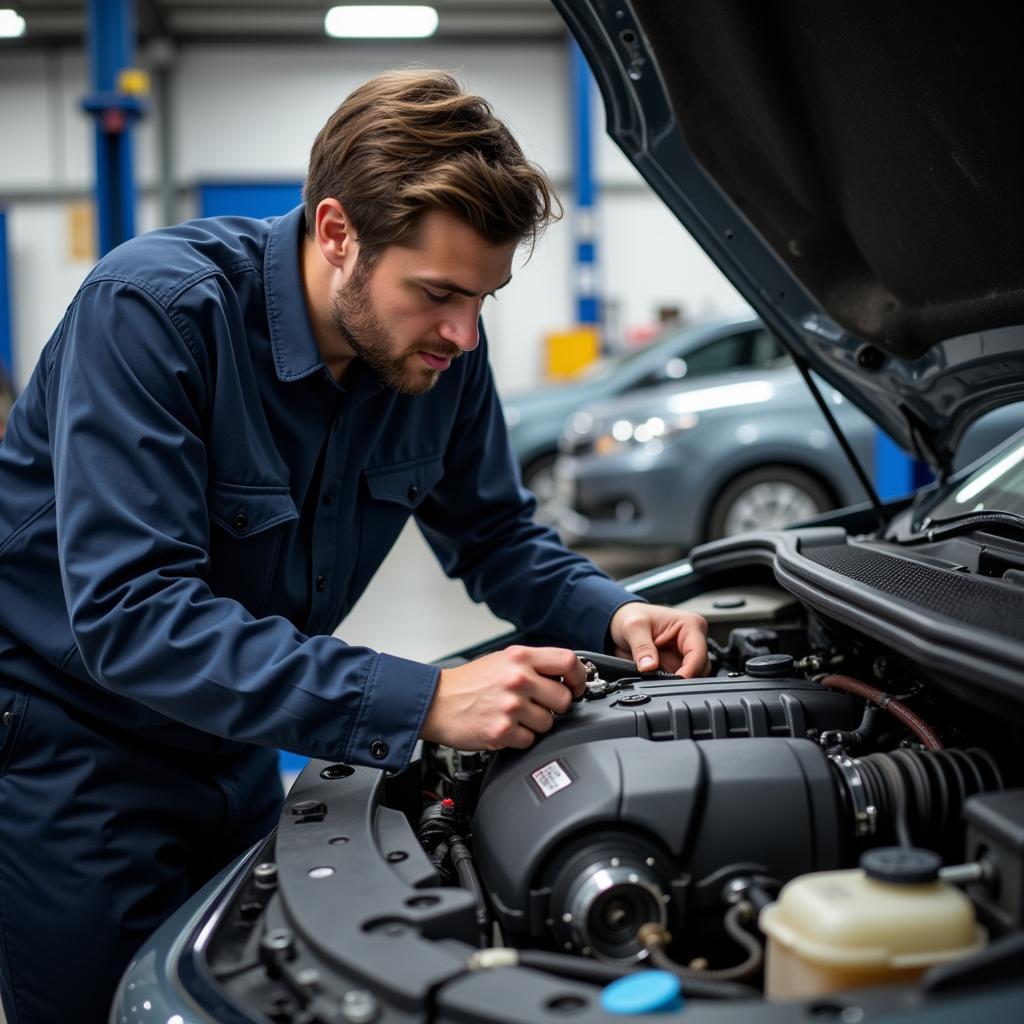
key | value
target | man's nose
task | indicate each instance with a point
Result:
(462, 327)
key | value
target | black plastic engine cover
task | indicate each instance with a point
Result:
(754, 805)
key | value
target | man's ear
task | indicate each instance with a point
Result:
(336, 236)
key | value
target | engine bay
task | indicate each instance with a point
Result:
(771, 837)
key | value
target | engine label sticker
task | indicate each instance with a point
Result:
(551, 778)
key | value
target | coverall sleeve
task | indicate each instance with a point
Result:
(127, 391)
(479, 522)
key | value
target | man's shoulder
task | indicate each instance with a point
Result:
(166, 263)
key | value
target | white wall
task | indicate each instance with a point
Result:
(252, 113)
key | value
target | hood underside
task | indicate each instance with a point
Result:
(855, 168)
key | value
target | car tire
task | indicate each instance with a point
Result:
(539, 477)
(767, 498)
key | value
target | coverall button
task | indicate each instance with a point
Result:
(413, 493)
(379, 749)
(321, 584)
(328, 498)
(240, 523)
(8, 717)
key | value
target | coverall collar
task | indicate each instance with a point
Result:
(296, 354)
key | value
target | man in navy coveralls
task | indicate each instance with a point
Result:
(221, 442)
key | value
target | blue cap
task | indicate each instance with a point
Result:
(643, 992)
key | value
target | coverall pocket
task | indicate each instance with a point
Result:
(247, 526)
(13, 704)
(395, 492)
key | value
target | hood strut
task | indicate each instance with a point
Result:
(883, 519)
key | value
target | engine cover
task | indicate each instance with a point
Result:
(619, 808)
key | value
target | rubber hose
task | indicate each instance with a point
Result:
(847, 684)
(697, 984)
(462, 860)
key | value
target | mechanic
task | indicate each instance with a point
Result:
(218, 447)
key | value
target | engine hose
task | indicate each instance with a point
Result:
(697, 984)
(896, 708)
(654, 940)
(462, 861)
(619, 668)
(918, 794)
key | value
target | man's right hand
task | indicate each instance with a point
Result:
(505, 699)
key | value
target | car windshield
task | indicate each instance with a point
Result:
(998, 485)
(608, 366)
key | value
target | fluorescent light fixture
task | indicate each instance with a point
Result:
(12, 24)
(405, 22)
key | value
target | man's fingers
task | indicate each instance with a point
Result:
(642, 650)
(520, 737)
(549, 693)
(536, 718)
(553, 662)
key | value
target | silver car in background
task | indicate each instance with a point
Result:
(678, 465)
(714, 344)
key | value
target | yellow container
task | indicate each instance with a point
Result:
(835, 930)
(568, 353)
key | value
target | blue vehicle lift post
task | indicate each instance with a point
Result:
(587, 304)
(115, 103)
(6, 344)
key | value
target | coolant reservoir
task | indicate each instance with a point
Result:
(886, 922)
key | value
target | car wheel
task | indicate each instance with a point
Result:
(539, 477)
(768, 498)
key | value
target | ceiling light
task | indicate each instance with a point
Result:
(12, 24)
(406, 22)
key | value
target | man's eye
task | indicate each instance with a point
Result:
(434, 297)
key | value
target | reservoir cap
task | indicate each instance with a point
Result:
(770, 666)
(901, 865)
(645, 992)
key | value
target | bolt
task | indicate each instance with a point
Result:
(567, 917)
(359, 1007)
(265, 875)
(308, 977)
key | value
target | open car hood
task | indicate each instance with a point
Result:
(855, 169)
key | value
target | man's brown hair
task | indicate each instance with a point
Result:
(407, 142)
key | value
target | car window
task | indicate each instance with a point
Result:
(766, 351)
(729, 353)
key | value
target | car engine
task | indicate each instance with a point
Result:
(723, 831)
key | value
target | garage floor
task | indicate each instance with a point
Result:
(413, 610)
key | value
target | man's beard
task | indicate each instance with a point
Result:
(352, 315)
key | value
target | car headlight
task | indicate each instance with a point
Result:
(652, 433)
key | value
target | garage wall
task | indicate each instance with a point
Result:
(251, 114)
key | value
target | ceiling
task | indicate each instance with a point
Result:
(51, 22)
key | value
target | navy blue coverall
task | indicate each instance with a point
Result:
(189, 504)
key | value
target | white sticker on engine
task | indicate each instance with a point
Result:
(551, 778)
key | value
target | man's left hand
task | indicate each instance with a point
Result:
(658, 637)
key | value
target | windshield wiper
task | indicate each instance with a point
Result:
(963, 522)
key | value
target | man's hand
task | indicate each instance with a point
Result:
(657, 637)
(503, 699)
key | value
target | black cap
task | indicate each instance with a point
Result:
(770, 666)
(902, 865)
